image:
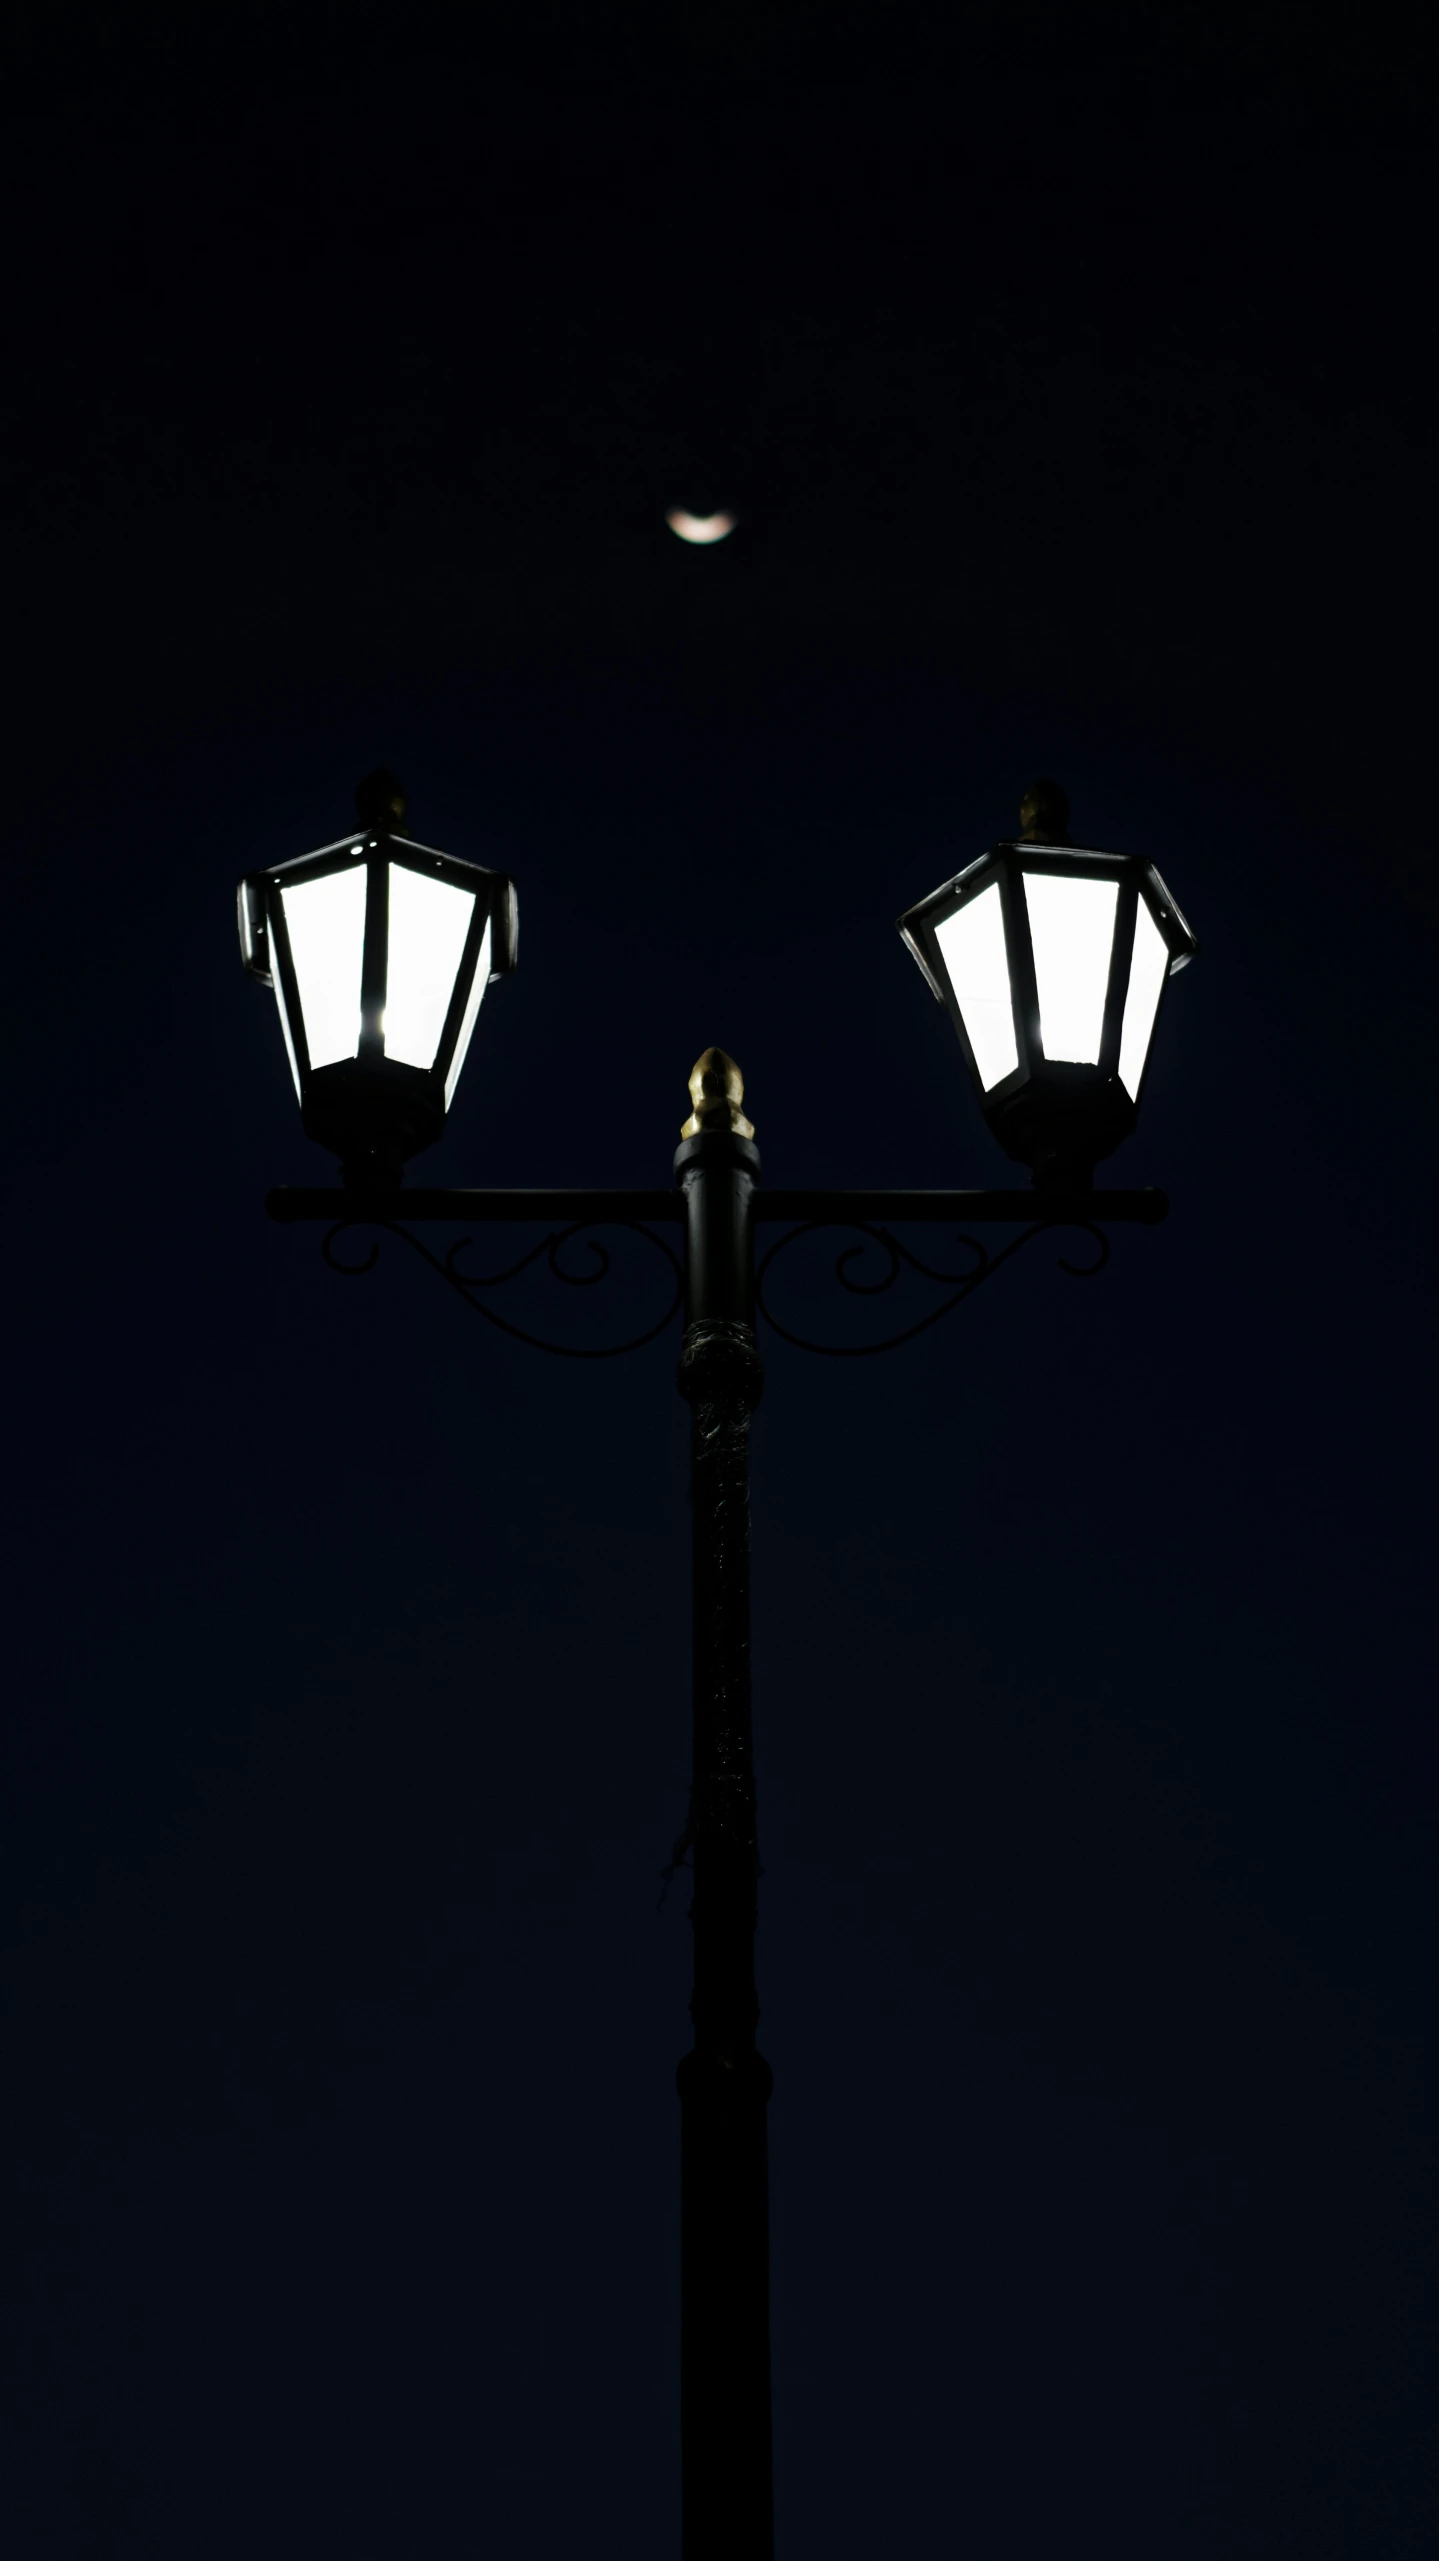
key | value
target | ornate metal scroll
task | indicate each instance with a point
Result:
(550, 1251)
(961, 1284)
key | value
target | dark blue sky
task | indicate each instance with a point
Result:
(1066, 373)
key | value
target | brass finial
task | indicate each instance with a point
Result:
(379, 799)
(1044, 815)
(716, 1091)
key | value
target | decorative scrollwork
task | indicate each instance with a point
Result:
(961, 1284)
(550, 1249)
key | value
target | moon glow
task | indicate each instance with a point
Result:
(699, 528)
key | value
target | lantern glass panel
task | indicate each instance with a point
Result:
(472, 1009)
(972, 942)
(326, 923)
(429, 920)
(1147, 972)
(1071, 926)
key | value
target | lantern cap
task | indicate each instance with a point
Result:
(717, 1093)
(379, 799)
(1044, 814)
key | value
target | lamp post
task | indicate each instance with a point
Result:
(1052, 961)
(724, 2083)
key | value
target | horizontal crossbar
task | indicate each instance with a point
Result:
(294, 1202)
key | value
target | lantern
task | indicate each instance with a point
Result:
(1052, 960)
(379, 950)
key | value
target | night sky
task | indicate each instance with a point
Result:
(1067, 371)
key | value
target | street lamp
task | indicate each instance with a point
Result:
(379, 951)
(1052, 960)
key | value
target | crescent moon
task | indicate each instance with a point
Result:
(699, 528)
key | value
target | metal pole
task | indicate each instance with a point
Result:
(724, 2084)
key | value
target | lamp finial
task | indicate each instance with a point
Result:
(379, 799)
(1044, 815)
(717, 1093)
